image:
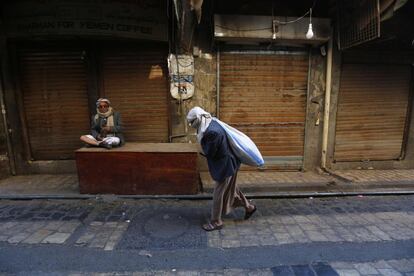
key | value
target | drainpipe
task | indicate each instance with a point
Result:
(6, 129)
(327, 104)
(218, 84)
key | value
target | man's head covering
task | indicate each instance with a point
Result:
(200, 119)
(110, 110)
(102, 100)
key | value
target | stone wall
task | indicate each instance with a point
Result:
(205, 95)
(314, 111)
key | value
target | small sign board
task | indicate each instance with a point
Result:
(181, 69)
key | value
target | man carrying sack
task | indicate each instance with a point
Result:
(218, 146)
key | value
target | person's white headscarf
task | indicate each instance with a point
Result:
(107, 113)
(199, 119)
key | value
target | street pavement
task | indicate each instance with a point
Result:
(354, 235)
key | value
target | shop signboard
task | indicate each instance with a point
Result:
(140, 19)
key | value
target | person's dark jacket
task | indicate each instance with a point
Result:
(98, 122)
(222, 163)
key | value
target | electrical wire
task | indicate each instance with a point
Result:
(297, 19)
(292, 21)
(275, 20)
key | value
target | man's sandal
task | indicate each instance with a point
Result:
(211, 226)
(247, 215)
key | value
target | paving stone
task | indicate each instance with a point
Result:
(232, 236)
(68, 226)
(302, 219)
(365, 268)
(53, 225)
(4, 238)
(389, 272)
(331, 235)
(85, 238)
(384, 215)
(324, 269)
(57, 216)
(315, 236)
(403, 265)
(264, 231)
(331, 220)
(278, 228)
(189, 273)
(381, 265)
(110, 245)
(364, 234)
(261, 272)
(348, 272)
(308, 227)
(303, 270)
(6, 225)
(268, 240)
(379, 233)
(295, 231)
(282, 270)
(38, 236)
(57, 238)
(19, 227)
(344, 220)
(286, 220)
(371, 218)
(284, 238)
(234, 272)
(230, 243)
(18, 237)
(111, 224)
(217, 243)
(97, 243)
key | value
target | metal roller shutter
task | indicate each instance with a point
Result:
(372, 111)
(264, 95)
(54, 91)
(135, 81)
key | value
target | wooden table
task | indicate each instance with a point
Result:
(139, 169)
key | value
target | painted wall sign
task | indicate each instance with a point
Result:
(142, 19)
(181, 69)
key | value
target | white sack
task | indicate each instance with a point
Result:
(243, 147)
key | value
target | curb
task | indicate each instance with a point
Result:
(204, 196)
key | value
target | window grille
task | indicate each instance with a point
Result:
(359, 22)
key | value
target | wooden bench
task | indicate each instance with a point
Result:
(139, 169)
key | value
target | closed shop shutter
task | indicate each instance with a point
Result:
(135, 81)
(264, 95)
(54, 91)
(372, 111)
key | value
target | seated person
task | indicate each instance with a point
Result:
(106, 128)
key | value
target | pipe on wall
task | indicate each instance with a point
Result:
(218, 84)
(6, 131)
(327, 104)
